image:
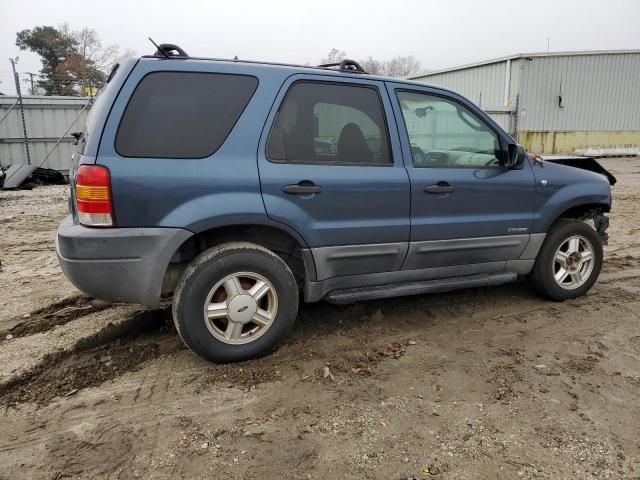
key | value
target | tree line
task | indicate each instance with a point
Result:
(74, 62)
(399, 67)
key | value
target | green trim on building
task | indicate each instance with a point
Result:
(569, 142)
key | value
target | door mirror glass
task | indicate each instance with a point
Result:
(516, 156)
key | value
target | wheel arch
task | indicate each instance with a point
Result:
(580, 211)
(283, 241)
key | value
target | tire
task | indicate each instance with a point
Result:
(581, 273)
(220, 281)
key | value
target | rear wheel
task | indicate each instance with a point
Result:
(234, 302)
(569, 261)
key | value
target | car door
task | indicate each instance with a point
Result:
(466, 207)
(332, 169)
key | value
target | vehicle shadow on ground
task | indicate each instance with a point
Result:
(413, 311)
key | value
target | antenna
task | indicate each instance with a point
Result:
(159, 50)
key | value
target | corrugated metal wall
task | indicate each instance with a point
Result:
(599, 93)
(483, 85)
(47, 118)
(504, 118)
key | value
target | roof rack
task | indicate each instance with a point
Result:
(345, 65)
(169, 50)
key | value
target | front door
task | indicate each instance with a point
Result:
(331, 169)
(466, 207)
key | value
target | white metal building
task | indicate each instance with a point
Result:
(559, 102)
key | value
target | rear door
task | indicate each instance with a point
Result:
(466, 208)
(331, 168)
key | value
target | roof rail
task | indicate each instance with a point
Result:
(171, 50)
(168, 50)
(345, 65)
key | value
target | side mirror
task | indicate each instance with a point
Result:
(515, 156)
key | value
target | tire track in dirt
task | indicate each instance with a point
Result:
(356, 324)
(95, 359)
(55, 314)
(147, 335)
(360, 359)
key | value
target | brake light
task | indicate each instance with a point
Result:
(93, 196)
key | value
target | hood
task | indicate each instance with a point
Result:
(584, 163)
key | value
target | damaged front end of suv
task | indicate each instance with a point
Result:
(597, 214)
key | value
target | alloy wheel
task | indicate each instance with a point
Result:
(240, 308)
(573, 262)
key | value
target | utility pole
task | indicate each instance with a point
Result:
(18, 91)
(31, 75)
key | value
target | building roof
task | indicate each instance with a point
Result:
(525, 55)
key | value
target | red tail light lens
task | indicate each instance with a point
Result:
(93, 196)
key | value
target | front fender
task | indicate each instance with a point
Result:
(560, 188)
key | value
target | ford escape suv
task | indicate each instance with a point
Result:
(240, 187)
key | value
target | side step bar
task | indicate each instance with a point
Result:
(415, 288)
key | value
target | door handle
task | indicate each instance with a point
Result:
(302, 188)
(440, 187)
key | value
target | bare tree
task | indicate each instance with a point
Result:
(399, 67)
(91, 49)
(334, 56)
(402, 67)
(373, 66)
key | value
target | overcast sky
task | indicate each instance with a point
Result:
(438, 33)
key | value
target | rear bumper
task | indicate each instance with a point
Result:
(118, 264)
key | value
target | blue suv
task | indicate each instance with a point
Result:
(240, 187)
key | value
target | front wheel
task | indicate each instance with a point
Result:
(569, 261)
(234, 302)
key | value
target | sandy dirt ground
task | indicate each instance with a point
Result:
(487, 383)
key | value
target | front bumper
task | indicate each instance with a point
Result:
(118, 264)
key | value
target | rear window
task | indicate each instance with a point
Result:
(182, 114)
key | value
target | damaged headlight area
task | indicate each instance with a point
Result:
(600, 222)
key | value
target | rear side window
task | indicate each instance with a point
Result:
(182, 114)
(330, 123)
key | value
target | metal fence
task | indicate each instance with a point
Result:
(49, 122)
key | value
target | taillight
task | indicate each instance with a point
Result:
(93, 196)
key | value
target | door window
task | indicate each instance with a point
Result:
(329, 123)
(443, 133)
